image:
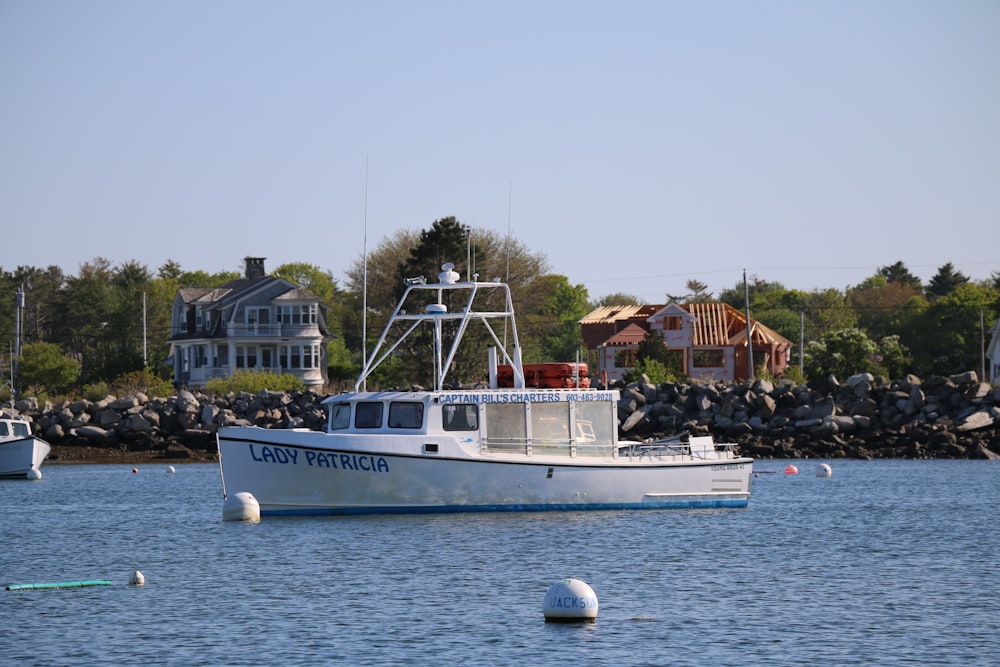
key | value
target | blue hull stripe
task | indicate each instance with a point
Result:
(736, 503)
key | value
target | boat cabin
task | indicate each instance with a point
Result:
(556, 422)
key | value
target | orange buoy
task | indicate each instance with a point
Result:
(791, 470)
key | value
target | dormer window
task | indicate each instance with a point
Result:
(304, 313)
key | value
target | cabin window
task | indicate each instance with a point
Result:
(19, 428)
(3, 428)
(505, 422)
(550, 423)
(460, 417)
(708, 359)
(595, 424)
(368, 415)
(406, 414)
(340, 416)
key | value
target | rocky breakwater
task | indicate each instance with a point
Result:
(940, 417)
(178, 427)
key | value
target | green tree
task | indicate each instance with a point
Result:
(947, 337)
(493, 256)
(899, 274)
(551, 332)
(945, 281)
(697, 293)
(616, 299)
(43, 366)
(850, 351)
(319, 282)
(885, 308)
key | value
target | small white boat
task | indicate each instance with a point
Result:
(485, 449)
(20, 451)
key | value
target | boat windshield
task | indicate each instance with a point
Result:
(340, 416)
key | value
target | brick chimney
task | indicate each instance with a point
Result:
(254, 267)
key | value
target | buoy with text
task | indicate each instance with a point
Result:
(824, 470)
(241, 506)
(570, 601)
(791, 470)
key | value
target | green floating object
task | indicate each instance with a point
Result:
(62, 584)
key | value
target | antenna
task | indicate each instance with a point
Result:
(364, 292)
(507, 269)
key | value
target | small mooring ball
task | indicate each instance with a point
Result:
(570, 601)
(137, 579)
(791, 470)
(171, 470)
(824, 470)
(241, 506)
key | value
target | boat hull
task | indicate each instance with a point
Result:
(20, 456)
(288, 478)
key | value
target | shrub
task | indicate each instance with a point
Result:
(655, 370)
(96, 391)
(145, 381)
(253, 381)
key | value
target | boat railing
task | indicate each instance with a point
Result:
(677, 448)
(540, 447)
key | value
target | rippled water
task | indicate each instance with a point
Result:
(887, 562)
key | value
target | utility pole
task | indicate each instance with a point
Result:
(802, 342)
(746, 302)
(19, 306)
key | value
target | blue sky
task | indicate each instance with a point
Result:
(637, 144)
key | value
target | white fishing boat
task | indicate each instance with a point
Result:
(486, 449)
(21, 453)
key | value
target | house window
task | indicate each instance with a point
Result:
(672, 323)
(297, 314)
(266, 357)
(708, 359)
(624, 358)
(246, 356)
(221, 356)
(197, 317)
(200, 356)
(299, 356)
(259, 315)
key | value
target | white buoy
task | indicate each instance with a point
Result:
(241, 506)
(824, 470)
(137, 579)
(170, 469)
(568, 601)
(34, 473)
